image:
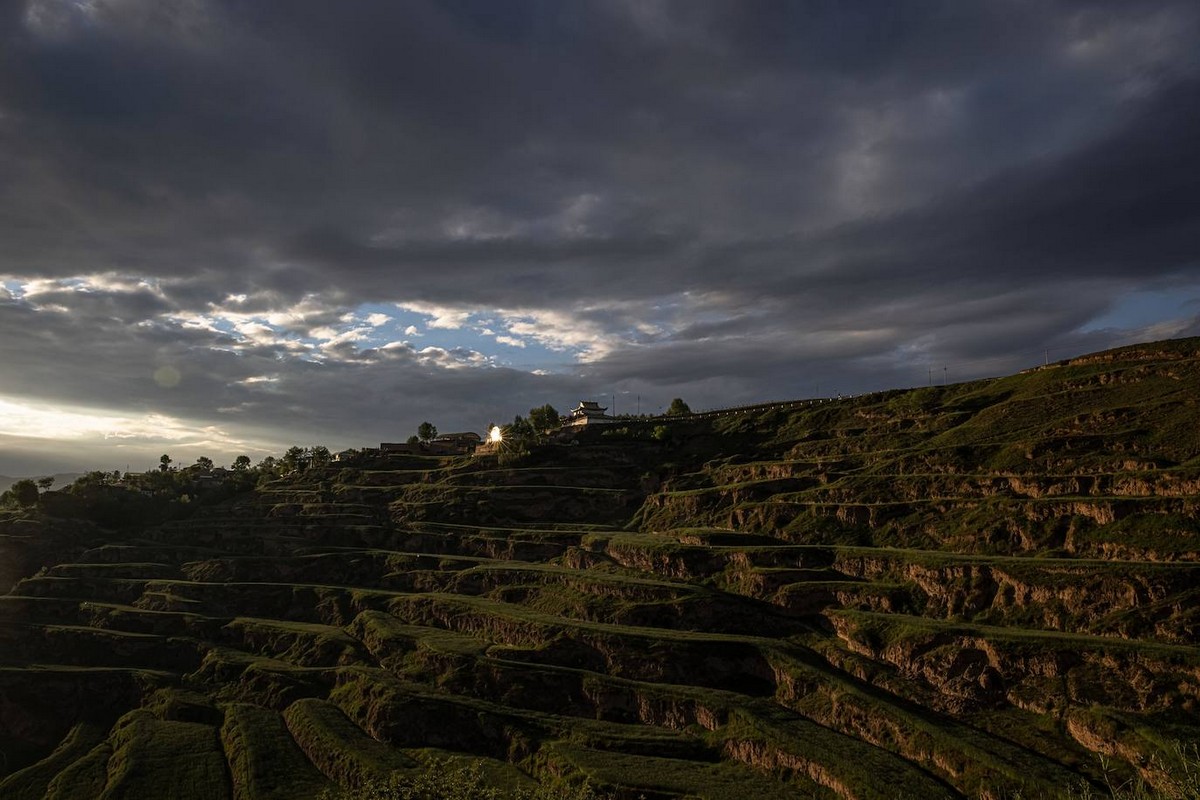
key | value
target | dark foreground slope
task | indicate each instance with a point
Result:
(974, 590)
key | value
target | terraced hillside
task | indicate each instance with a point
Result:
(980, 590)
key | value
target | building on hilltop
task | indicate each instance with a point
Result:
(445, 444)
(588, 412)
(465, 441)
(388, 449)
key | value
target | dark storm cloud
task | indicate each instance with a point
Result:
(725, 198)
(1124, 207)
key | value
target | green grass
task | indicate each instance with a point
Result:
(493, 773)
(837, 754)
(303, 643)
(518, 624)
(460, 778)
(84, 777)
(803, 555)
(386, 636)
(31, 782)
(657, 777)
(338, 747)
(897, 627)
(265, 762)
(966, 756)
(158, 758)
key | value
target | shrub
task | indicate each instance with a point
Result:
(512, 455)
(1179, 771)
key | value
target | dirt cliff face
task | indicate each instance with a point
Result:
(964, 591)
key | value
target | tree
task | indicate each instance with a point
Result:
(543, 418)
(242, 463)
(25, 491)
(414, 439)
(426, 431)
(320, 454)
(45, 483)
(90, 480)
(519, 428)
(291, 458)
(678, 408)
(164, 463)
(204, 464)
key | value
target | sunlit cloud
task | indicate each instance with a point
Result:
(440, 316)
(167, 377)
(193, 321)
(589, 332)
(457, 358)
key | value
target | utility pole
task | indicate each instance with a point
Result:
(944, 371)
(1047, 356)
(931, 376)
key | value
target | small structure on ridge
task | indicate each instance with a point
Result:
(588, 412)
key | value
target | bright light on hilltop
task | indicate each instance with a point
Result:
(495, 435)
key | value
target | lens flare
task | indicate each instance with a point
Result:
(167, 377)
(495, 435)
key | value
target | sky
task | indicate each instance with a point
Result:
(231, 227)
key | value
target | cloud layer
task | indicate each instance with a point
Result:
(331, 221)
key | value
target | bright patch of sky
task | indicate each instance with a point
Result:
(382, 326)
(95, 437)
(37, 421)
(373, 326)
(480, 330)
(316, 329)
(1140, 309)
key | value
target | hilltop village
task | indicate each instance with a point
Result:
(542, 422)
(177, 485)
(545, 426)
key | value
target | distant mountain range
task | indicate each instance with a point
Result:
(61, 479)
